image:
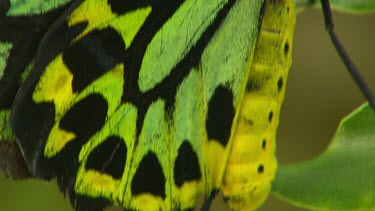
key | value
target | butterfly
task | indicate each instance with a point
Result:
(147, 105)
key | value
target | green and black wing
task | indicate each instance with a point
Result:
(22, 27)
(136, 103)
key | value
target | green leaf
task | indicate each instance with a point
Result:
(341, 178)
(350, 6)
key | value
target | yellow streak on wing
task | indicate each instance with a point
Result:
(215, 154)
(105, 185)
(252, 164)
(128, 25)
(98, 15)
(57, 140)
(94, 12)
(148, 202)
(190, 193)
(55, 86)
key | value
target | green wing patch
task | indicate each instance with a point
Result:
(143, 104)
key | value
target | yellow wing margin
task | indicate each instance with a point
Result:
(252, 163)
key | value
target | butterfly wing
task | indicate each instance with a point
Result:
(135, 104)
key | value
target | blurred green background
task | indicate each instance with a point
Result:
(319, 93)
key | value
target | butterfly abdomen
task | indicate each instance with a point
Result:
(252, 164)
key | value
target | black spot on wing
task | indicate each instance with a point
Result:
(220, 115)
(264, 144)
(286, 49)
(149, 177)
(93, 55)
(280, 84)
(270, 116)
(109, 157)
(186, 167)
(260, 168)
(86, 117)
